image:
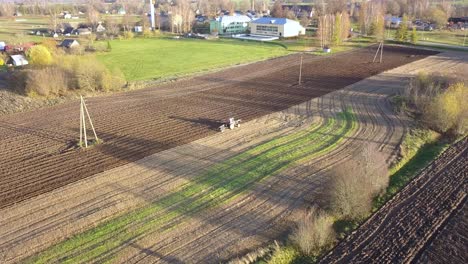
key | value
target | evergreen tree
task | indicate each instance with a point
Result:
(402, 31)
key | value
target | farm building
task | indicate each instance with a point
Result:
(69, 43)
(281, 27)
(392, 21)
(17, 60)
(100, 28)
(83, 31)
(230, 25)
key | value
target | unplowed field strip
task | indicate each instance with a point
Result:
(34, 146)
(403, 226)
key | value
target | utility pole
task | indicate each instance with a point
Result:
(300, 71)
(153, 26)
(83, 135)
(380, 48)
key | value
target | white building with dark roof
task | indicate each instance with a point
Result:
(279, 27)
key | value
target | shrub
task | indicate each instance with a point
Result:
(39, 55)
(46, 81)
(147, 33)
(353, 184)
(284, 256)
(50, 44)
(447, 111)
(314, 232)
(414, 36)
(128, 35)
(91, 75)
(2, 62)
(439, 101)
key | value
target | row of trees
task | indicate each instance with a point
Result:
(43, 7)
(54, 73)
(333, 29)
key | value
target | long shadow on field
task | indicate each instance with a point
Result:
(201, 201)
(37, 132)
(212, 124)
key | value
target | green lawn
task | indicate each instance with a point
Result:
(438, 36)
(154, 58)
(219, 185)
(17, 29)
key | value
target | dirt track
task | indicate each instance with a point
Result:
(401, 229)
(35, 147)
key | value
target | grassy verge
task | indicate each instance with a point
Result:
(419, 148)
(219, 185)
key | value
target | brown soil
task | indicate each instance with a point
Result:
(449, 244)
(401, 229)
(252, 219)
(37, 147)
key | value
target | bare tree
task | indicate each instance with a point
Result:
(314, 232)
(93, 17)
(353, 184)
(7, 9)
(112, 28)
(53, 18)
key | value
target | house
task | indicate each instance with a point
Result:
(271, 26)
(67, 16)
(121, 11)
(69, 43)
(230, 25)
(100, 28)
(138, 29)
(83, 31)
(392, 21)
(17, 60)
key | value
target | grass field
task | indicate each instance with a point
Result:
(154, 58)
(438, 36)
(219, 185)
(18, 28)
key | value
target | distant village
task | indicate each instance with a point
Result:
(249, 20)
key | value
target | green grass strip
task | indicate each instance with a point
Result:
(221, 184)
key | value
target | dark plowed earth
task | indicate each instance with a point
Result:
(35, 147)
(402, 230)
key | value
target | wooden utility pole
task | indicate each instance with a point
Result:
(380, 48)
(83, 113)
(300, 71)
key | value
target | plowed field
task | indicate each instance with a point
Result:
(401, 230)
(36, 147)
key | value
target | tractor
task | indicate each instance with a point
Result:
(231, 123)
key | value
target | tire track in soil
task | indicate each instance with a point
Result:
(43, 133)
(286, 192)
(331, 107)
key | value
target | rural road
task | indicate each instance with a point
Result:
(253, 217)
